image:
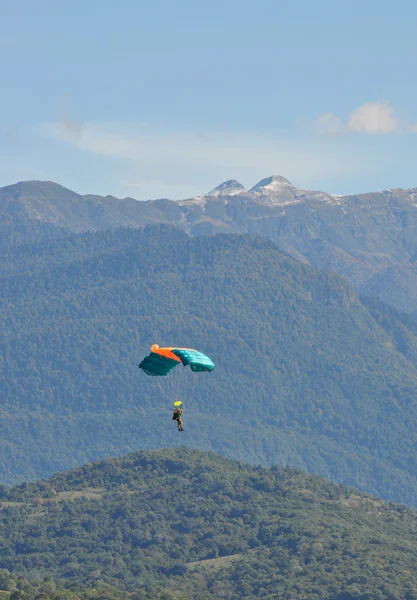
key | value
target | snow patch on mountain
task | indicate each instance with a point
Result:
(231, 187)
(278, 190)
(274, 190)
(196, 201)
(275, 183)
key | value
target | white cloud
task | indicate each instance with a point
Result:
(370, 118)
(373, 117)
(413, 128)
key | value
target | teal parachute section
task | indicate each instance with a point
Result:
(157, 365)
(197, 361)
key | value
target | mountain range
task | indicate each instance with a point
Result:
(370, 239)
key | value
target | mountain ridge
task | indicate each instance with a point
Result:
(367, 238)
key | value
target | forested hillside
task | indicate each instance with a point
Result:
(181, 524)
(306, 374)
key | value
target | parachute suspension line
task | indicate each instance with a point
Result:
(163, 390)
(170, 384)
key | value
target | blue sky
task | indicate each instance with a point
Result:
(169, 98)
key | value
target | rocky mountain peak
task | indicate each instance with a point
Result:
(274, 189)
(275, 183)
(230, 187)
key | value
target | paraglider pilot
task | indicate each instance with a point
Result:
(161, 361)
(178, 411)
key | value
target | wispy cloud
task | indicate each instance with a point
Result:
(73, 129)
(328, 124)
(371, 118)
(237, 155)
(146, 188)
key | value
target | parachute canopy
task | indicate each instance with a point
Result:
(178, 403)
(162, 360)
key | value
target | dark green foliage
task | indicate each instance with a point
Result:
(13, 587)
(306, 375)
(185, 524)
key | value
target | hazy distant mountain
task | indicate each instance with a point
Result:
(371, 239)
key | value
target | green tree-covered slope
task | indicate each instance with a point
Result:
(307, 374)
(185, 524)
